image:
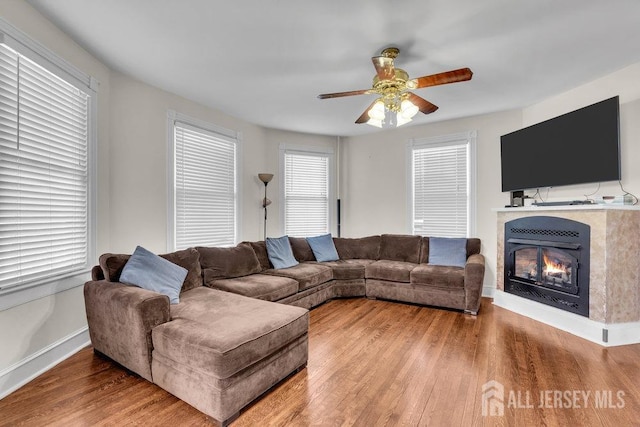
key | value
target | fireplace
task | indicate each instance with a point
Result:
(546, 260)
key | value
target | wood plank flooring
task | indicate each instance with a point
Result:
(377, 363)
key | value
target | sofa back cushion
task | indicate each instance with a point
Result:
(112, 265)
(260, 249)
(358, 248)
(397, 247)
(301, 249)
(226, 263)
(473, 247)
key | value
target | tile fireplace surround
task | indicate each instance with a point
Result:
(614, 285)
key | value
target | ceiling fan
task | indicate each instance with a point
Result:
(395, 105)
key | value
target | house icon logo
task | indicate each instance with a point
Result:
(492, 399)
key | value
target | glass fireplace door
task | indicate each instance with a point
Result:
(550, 267)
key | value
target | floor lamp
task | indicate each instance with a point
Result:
(265, 178)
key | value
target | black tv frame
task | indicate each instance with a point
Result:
(579, 147)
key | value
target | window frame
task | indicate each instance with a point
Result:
(172, 118)
(331, 197)
(14, 295)
(469, 138)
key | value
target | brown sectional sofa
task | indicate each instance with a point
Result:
(227, 342)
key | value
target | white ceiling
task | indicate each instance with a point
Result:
(265, 61)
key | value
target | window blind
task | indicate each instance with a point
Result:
(205, 187)
(306, 194)
(440, 189)
(44, 180)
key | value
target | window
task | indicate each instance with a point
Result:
(441, 181)
(46, 173)
(204, 199)
(307, 191)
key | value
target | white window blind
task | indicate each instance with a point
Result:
(441, 191)
(44, 178)
(306, 193)
(205, 187)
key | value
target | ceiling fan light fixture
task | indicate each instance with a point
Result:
(377, 111)
(407, 109)
(375, 122)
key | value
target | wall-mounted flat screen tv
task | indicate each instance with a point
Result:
(579, 147)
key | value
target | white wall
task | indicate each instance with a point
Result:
(26, 331)
(138, 162)
(273, 140)
(375, 184)
(626, 84)
(374, 188)
(132, 175)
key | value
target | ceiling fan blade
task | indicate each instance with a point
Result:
(339, 94)
(364, 118)
(423, 105)
(453, 76)
(384, 67)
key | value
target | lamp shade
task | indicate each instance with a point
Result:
(265, 177)
(408, 109)
(377, 111)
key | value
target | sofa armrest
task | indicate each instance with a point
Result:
(473, 280)
(121, 318)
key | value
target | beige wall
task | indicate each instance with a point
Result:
(273, 140)
(27, 329)
(374, 188)
(138, 209)
(626, 84)
(139, 128)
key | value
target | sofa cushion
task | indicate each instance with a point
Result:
(349, 269)
(395, 271)
(149, 271)
(473, 246)
(223, 263)
(112, 265)
(301, 249)
(448, 251)
(260, 248)
(395, 247)
(307, 274)
(280, 252)
(323, 248)
(438, 276)
(358, 248)
(217, 333)
(262, 286)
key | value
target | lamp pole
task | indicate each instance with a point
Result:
(265, 178)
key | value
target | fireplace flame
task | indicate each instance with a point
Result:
(552, 267)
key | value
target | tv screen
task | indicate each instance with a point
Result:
(579, 147)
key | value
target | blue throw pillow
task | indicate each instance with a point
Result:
(149, 271)
(448, 251)
(280, 253)
(323, 248)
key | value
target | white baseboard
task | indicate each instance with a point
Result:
(20, 373)
(607, 335)
(488, 291)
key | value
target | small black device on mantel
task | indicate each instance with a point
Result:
(517, 198)
(579, 147)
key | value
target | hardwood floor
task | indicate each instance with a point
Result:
(377, 363)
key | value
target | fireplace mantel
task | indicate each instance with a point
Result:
(614, 286)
